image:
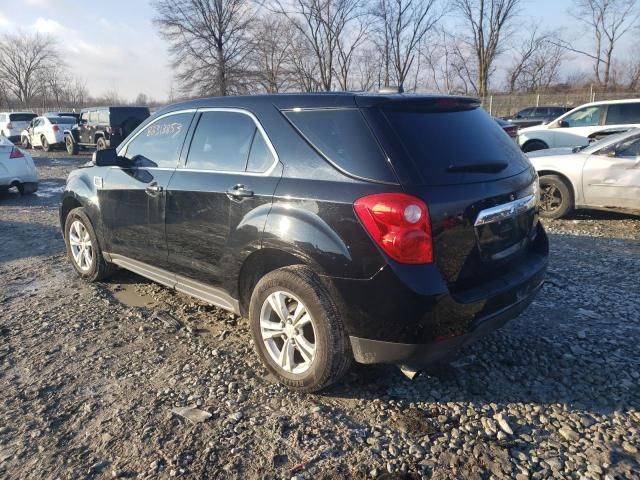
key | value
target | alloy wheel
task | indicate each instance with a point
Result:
(81, 246)
(550, 198)
(288, 332)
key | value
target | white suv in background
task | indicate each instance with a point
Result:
(582, 125)
(12, 123)
(46, 132)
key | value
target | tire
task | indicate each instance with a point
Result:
(323, 329)
(28, 188)
(101, 144)
(26, 144)
(45, 144)
(534, 145)
(70, 145)
(556, 199)
(97, 268)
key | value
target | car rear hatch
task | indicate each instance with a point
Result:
(20, 121)
(479, 187)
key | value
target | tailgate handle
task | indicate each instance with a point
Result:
(507, 210)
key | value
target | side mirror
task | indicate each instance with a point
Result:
(107, 158)
(563, 124)
(609, 151)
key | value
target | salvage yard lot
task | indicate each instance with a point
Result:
(89, 375)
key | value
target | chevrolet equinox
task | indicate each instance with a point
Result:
(376, 228)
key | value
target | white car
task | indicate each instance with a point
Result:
(604, 175)
(16, 169)
(46, 132)
(582, 125)
(12, 123)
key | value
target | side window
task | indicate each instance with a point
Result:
(585, 117)
(85, 116)
(527, 112)
(629, 148)
(93, 117)
(623, 113)
(221, 142)
(103, 116)
(260, 158)
(159, 144)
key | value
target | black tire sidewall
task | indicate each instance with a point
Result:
(565, 193)
(539, 144)
(46, 146)
(322, 310)
(79, 214)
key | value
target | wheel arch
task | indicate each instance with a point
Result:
(534, 140)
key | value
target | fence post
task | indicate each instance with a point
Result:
(490, 104)
(538, 100)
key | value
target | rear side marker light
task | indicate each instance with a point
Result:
(16, 153)
(56, 128)
(399, 224)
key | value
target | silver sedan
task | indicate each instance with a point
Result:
(603, 175)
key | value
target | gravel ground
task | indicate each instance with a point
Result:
(90, 374)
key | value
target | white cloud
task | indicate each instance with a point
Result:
(4, 21)
(47, 25)
(40, 3)
(104, 23)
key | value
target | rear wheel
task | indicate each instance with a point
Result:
(297, 329)
(70, 145)
(556, 199)
(101, 144)
(83, 249)
(534, 145)
(26, 144)
(45, 144)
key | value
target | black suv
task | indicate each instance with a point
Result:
(381, 228)
(532, 116)
(103, 127)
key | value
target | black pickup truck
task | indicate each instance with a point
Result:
(103, 127)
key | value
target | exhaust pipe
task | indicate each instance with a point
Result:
(409, 372)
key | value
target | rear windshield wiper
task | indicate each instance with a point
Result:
(489, 167)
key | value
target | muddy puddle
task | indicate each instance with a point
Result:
(128, 295)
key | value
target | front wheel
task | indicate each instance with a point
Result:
(26, 144)
(297, 329)
(101, 144)
(533, 145)
(556, 200)
(83, 249)
(45, 144)
(70, 145)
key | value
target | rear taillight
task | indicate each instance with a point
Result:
(399, 224)
(16, 153)
(9, 126)
(56, 128)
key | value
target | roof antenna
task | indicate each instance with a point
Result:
(391, 89)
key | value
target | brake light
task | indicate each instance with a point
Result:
(399, 224)
(56, 128)
(16, 153)
(9, 126)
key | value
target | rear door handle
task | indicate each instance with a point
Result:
(239, 191)
(154, 189)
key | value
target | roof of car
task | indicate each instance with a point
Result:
(19, 113)
(308, 100)
(609, 102)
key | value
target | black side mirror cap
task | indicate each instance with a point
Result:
(107, 158)
(563, 124)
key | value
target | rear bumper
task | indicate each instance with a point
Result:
(420, 355)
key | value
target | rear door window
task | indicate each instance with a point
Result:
(160, 143)
(103, 117)
(221, 142)
(343, 137)
(623, 113)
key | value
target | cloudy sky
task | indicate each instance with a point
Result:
(116, 47)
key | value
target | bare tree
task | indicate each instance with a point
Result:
(324, 25)
(25, 63)
(141, 99)
(490, 23)
(536, 61)
(208, 36)
(272, 54)
(402, 26)
(608, 20)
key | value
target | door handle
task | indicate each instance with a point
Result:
(153, 189)
(239, 191)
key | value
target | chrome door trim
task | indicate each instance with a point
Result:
(506, 210)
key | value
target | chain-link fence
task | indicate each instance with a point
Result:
(503, 105)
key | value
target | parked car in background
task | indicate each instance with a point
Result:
(13, 123)
(604, 175)
(62, 114)
(577, 127)
(104, 127)
(16, 169)
(46, 132)
(343, 226)
(536, 116)
(510, 129)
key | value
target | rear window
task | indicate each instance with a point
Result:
(21, 117)
(344, 139)
(456, 145)
(623, 113)
(62, 120)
